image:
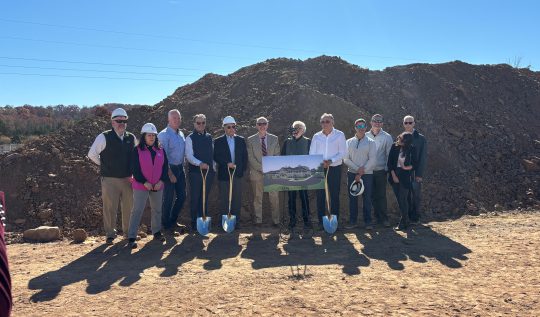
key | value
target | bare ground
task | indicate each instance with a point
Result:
(475, 266)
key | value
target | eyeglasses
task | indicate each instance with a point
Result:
(408, 122)
(326, 121)
(262, 123)
(201, 123)
(360, 126)
(376, 121)
(120, 121)
(231, 127)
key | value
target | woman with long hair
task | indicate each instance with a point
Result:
(150, 167)
(401, 162)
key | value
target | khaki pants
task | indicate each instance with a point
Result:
(257, 185)
(116, 191)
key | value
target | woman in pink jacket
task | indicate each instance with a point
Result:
(150, 168)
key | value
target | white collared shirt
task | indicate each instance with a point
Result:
(333, 147)
(99, 145)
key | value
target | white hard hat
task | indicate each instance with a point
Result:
(149, 128)
(228, 120)
(357, 188)
(118, 112)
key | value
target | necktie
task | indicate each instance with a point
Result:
(263, 146)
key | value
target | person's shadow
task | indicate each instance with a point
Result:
(419, 244)
(335, 249)
(127, 266)
(221, 247)
(191, 247)
(50, 284)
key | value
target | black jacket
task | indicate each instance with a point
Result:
(222, 156)
(404, 176)
(136, 166)
(419, 142)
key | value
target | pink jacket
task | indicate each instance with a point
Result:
(152, 172)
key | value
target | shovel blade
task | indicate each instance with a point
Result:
(228, 223)
(203, 225)
(330, 223)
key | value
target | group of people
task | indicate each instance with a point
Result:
(152, 167)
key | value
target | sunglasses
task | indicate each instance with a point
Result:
(377, 121)
(120, 121)
(408, 122)
(231, 127)
(261, 123)
(360, 126)
(326, 121)
(201, 123)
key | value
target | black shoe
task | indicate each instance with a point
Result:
(109, 241)
(132, 243)
(159, 237)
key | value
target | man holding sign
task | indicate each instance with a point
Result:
(297, 144)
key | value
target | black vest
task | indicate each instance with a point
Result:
(297, 147)
(116, 157)
(202, 149)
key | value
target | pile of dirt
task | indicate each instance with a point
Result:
(482, 123)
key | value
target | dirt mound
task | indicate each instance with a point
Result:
(482, 124)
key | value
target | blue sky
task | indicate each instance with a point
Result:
(93, 52)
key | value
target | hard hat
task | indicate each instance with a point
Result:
(228, 120)
(149, 128)
(119, 112)
(357, 188)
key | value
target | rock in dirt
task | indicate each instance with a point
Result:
(79, 235)
(42, 234)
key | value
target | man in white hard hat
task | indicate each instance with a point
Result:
(173, 142)
(259, 145)
(112, 151)
(230, 153)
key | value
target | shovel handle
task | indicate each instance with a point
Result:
(231, 177)
(203, 176)
(328, 213)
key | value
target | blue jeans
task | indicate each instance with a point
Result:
(366, 198)
(171, 206)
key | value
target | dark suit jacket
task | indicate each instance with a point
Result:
(405, 177)
(419, 142)
(222, 156)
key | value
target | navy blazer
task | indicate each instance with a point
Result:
(222, 156)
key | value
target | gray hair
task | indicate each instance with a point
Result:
(408, 117)
(300, 125)
(199, 116)
(327, 115)
(173, 111)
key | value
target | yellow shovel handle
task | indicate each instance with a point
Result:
(203, 175)
(231, 177)
(326, 192)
